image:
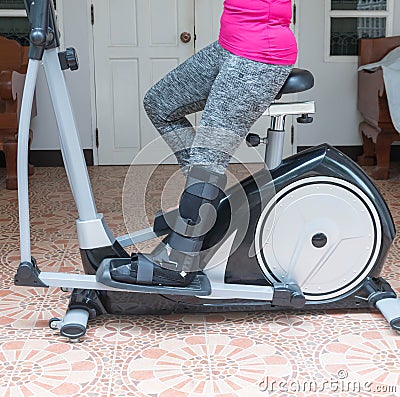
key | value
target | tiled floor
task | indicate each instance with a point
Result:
(223, 355)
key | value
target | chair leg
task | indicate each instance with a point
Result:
(383, 144)
(368, 157)
(10, 153)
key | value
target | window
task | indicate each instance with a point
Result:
(349, 20)
(13, 21)
(12, 5)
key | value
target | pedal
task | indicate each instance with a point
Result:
(288, 295)
(200, 286)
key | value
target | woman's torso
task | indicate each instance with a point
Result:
(259, 30)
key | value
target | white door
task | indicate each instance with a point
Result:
(327, 38)
(136, 42)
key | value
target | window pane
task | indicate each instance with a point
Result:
(345, 33)
(15, 28)
(12, 4)
(359, 4)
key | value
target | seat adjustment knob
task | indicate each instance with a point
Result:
(253, 140)
(305, 119)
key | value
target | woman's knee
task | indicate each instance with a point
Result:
(159, 108)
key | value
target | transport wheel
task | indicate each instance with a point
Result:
(73, 331)
(321, 233)
(53, 323)
(74, 323)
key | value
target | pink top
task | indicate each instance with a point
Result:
(259, 30)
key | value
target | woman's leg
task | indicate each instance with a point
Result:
(181, 92)
(241, 93)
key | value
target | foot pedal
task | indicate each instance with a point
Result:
(200, 286)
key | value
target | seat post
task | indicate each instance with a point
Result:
(276, 139)
(276, 133)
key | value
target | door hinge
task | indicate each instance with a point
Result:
(92, 14)
(294, 14)
(97, 137)
(292, 135)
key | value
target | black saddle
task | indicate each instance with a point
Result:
(299, 80)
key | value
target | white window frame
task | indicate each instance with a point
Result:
(4, 12)
(329, 13)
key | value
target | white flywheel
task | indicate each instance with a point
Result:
(322, 233)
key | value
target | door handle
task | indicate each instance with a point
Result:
(185, 37)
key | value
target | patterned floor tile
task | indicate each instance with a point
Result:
(53, 226)
(144, 338)
(194, 365)
(19, 307)
(71, 261)
(48, 255)
(367, 358)
(9, 344)
(6, 279)
(53, 368)
(8, 220)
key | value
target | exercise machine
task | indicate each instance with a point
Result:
(318, 241)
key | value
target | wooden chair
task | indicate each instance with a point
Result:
(377, 130)
(13, 65)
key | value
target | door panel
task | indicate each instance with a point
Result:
(123, 125)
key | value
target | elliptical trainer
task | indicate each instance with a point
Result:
(320, 242)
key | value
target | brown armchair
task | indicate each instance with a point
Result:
(13, 64)
(377, 130)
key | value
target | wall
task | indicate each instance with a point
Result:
(75, 18)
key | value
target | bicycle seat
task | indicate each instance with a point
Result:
(299, 80)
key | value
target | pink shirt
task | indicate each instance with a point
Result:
(259, 30)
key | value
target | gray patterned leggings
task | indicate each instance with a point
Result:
(233, 92)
